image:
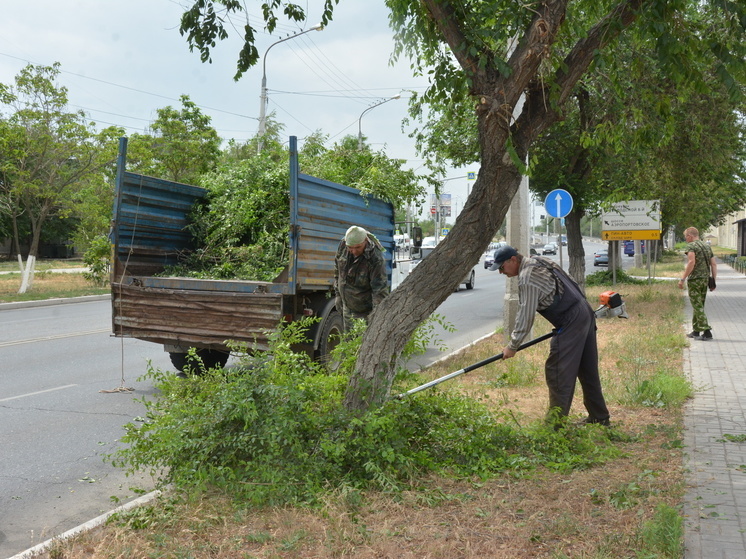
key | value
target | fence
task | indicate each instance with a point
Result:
(738, 263)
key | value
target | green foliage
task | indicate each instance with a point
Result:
(661, 390)
(47, 151)
(98, 261)
(606, 278)
(663, 536)
(731, 438)
(372, 172)
(273, 431)
(241, 230)
(183, 145)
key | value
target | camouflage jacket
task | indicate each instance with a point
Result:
(361, 283)
(702, 255)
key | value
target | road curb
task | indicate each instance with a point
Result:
(90, 525)
(50, 302)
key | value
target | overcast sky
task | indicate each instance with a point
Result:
(122, 60)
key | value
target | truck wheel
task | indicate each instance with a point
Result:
(211, 358)
(472, 278)
(331, 335)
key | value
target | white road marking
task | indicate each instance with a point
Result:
(57, 337)
(39, 392)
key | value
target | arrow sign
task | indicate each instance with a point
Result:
(558, 203)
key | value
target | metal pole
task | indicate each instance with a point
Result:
(474, 366)
(360, 120)
(263, 94)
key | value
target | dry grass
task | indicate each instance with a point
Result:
(47, 285)
(596, 513)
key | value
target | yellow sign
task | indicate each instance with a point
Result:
(632, 235)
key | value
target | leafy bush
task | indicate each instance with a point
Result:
(98, 261)
(274, 431)
(241, 229)
(605, 277)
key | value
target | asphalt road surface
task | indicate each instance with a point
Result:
(61, 410)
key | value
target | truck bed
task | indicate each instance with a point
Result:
(192, 315)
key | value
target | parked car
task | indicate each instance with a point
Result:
(549, 248)
(601, 257)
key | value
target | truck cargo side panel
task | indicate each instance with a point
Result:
(324, 212)
(194, 318)
(151, 217)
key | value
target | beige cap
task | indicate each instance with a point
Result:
(355, 235)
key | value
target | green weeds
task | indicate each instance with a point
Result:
(273, 432)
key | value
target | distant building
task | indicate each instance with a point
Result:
(732, 234)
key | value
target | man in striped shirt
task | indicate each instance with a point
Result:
(545, 288)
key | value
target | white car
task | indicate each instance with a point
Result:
(428, 242)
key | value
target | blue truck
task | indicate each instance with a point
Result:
(149, 232)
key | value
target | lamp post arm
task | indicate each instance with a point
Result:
(263, 95)
(360, 120)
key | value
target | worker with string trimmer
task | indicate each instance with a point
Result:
(545, 288)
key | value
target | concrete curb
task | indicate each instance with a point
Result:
(49, 302)
(90, 525)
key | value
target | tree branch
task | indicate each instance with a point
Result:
(445, 19)
(538, 114)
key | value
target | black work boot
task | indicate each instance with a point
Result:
(694, 334)
(706, 335)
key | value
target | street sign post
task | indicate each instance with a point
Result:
(558, 203)
(632, 220)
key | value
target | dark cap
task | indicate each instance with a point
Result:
(502, 254)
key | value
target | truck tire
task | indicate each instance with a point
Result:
(211, 358)
(331, 334)
(471, 280)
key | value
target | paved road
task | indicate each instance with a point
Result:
(55, 421)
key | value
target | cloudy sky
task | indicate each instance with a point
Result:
(123, 60)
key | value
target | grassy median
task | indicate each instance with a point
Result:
(582, 491)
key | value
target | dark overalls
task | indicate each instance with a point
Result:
(573, 353)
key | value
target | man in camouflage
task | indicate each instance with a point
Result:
(360, 279)
(700, 265)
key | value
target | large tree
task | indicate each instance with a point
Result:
(183, 145)
(464, 46)
(51, 149)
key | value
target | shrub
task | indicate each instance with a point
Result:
(98, 261)
(274, 431)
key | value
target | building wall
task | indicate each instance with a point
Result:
(726, 235)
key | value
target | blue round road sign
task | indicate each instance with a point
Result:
(558, 203)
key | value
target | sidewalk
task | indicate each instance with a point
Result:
(715, 501)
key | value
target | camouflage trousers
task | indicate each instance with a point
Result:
(697, 294)
(349, 316)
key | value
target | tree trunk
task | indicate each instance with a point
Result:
(27, 281)
(504, 140)
(394, 320)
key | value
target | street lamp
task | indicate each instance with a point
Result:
(263, 96)
(359, 120)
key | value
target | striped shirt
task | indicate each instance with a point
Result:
(536, 289)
